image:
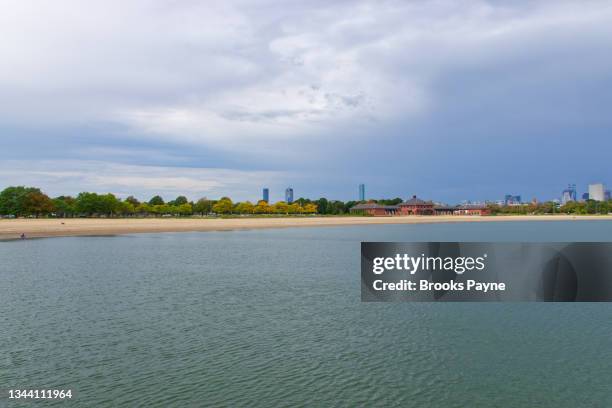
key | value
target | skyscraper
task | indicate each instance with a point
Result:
(596, 192)
(362, 192)
(569, 194)
(510, 199)
(288, 195)
(266, 195)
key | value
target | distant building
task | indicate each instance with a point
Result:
(362, 192)
(375, 209)
(510, 199)
(462, 209)
(289, 195)
(266, 195)
(416, 206)
(585, 196)
(471, 209)
(597, 192)
(608, 195)
(569, 194)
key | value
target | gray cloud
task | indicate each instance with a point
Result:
(73, 176)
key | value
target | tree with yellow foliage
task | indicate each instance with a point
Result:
(310, 208)
(223, 206)
(294, 208)
(281, 207)
(262, 207)
(244, 208)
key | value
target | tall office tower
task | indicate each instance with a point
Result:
(266, 195)
(289, 195)
(510, 199)
(608, 195)
(362, 192)
(566, 197)
(569, 194)
(585, 196)
(596, 192)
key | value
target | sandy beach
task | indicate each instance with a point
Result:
(36, 228)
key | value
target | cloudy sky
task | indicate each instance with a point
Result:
(450, 100)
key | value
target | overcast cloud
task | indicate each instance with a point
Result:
(450, 100)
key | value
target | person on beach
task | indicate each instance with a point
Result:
(23, 236)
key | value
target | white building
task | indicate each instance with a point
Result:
(569, 194)
(597, 192)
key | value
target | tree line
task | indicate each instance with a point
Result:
(21, 201)
(550, 207)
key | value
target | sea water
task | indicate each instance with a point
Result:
(274, 318)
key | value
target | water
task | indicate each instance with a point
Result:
(274, 318)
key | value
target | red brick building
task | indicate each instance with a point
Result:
(444, 210)
(375, 209)
(416, 206)
(472, 209)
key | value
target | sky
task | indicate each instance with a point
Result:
(448, 100)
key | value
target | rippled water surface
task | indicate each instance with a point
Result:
(274, 318)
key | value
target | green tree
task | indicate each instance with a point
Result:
(302, 201)
(13, 200)
(184, 209)
(88, 203)
(143, 208)
(65, 206)
(109, 204)
(321, 204)
(165, 209)
(180, 200)
(569, 207)
(97, 204)
(591, 206)
(133, 200)
(203, 206)
(394, 201)
(157, 209)
(126, 208)
(156, 200)
(335, 207)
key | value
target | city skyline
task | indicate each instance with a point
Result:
(570, 193)
(454, 100)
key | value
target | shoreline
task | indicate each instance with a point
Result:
(11, 229)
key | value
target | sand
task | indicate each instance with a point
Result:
(33, 228)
